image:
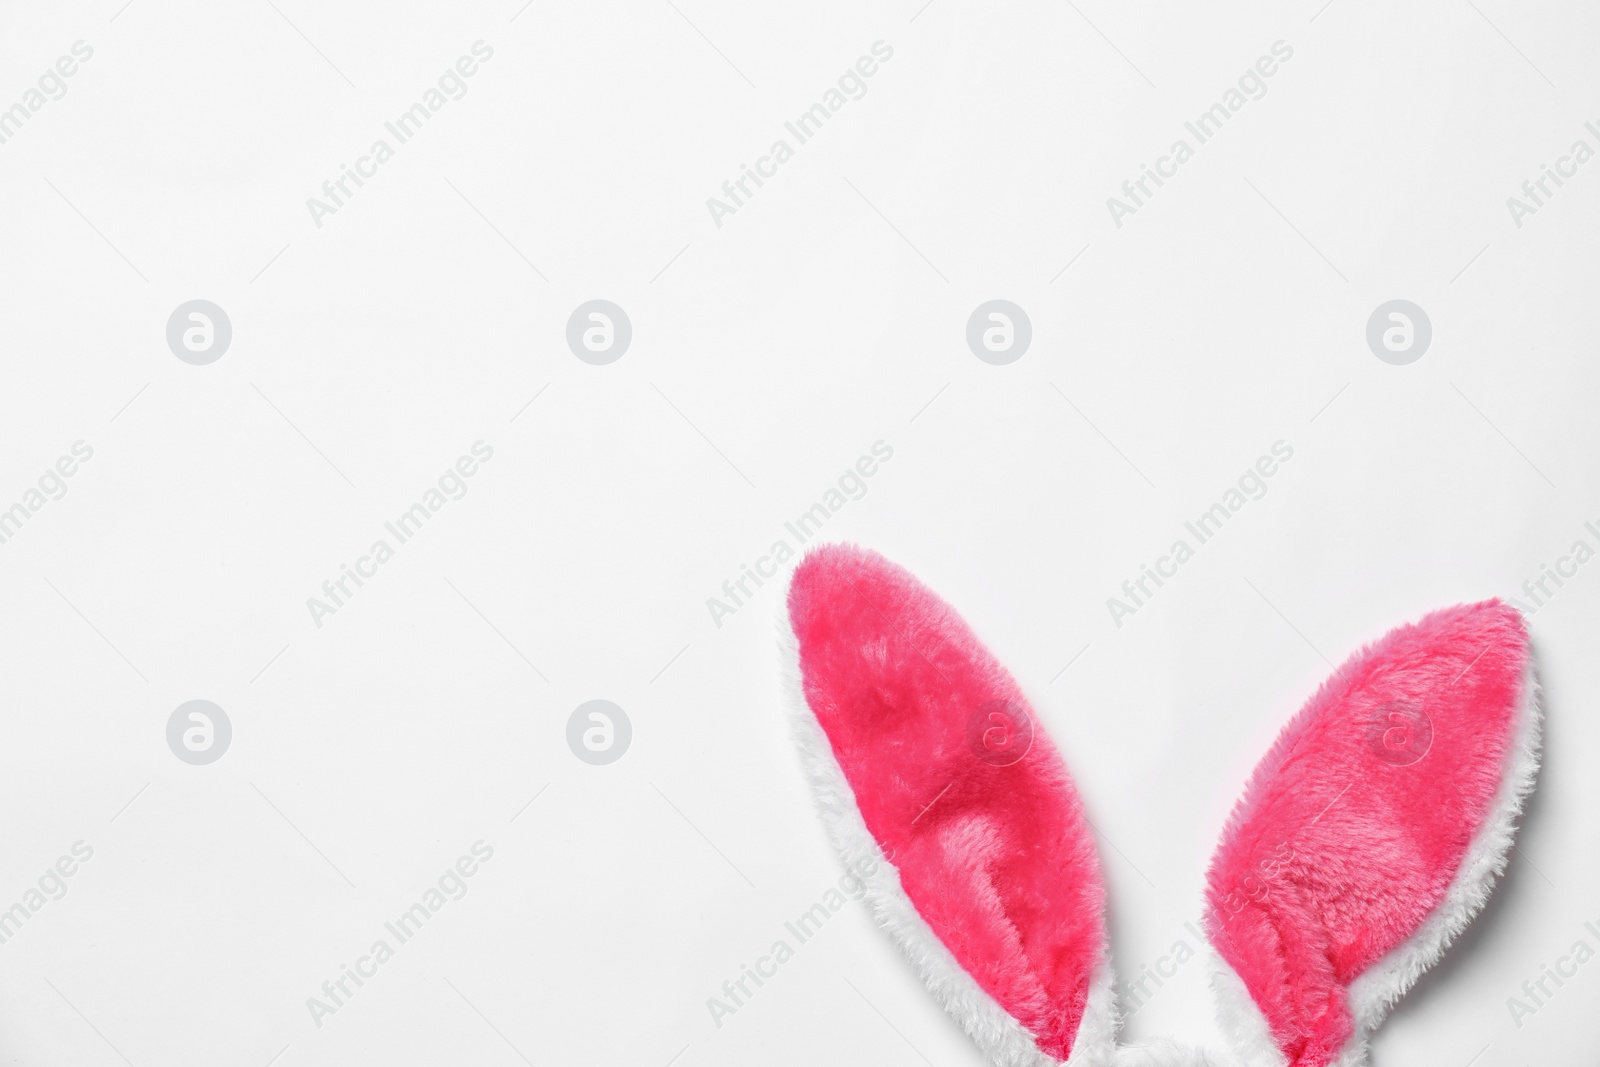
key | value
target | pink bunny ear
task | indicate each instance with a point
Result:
(1372, 833)
(931, 769)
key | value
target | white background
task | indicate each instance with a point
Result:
(768, 354)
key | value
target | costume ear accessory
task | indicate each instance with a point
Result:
(1366, 839)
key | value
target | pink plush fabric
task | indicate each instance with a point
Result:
(1354, 825)
(957, 782)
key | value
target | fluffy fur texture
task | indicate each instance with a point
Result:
(1000, 899)
(1375, 992)
(1372, 832)
(1367, 839)
(1243, 1025)
(1000, 1036)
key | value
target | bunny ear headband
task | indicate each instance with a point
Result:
(1365, 841)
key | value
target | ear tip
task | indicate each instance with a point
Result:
(840, 557)
(827, 564)
(1493, 613)
(1486, 635)
(1490, 635)
(835, 573)
(1493, 619)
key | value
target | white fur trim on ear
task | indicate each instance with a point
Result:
(1375, 991)
(1243, 1025)
(1096, 1040)
(1004, 1040)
